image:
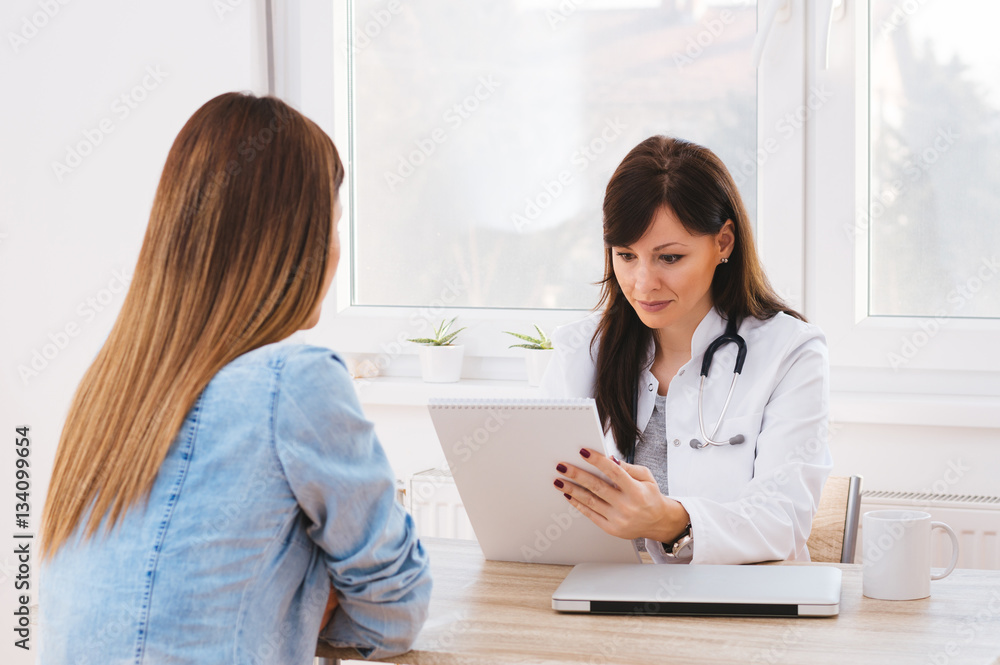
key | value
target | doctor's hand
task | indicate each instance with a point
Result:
(633, 507)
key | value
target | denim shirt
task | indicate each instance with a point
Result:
(274, 486)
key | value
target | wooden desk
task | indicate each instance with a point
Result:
(492, 612)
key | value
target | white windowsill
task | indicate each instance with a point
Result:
(845, 407)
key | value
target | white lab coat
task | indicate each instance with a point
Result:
(750, 502)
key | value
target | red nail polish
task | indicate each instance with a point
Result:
(565, 495)
(558, 483)
(561, 468)
(584, 452)
(615, 460)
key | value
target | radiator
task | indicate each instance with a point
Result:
(437, 510)
(436, 506)
(974, 519)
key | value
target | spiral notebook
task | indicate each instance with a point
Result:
(503, 456)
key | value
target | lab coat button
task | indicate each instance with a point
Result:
(677, 442)
(651, 387)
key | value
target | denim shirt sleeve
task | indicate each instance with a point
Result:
(343, 483)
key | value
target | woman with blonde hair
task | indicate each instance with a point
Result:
(215, 490)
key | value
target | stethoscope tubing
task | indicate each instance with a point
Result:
(731, 336)
(710, 440)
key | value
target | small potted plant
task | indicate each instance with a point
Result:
(440, 357)
(538, 355)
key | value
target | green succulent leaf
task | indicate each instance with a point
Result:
(526, 338)
(542, 342)
(423, 340)
(448, 339)
(441, 335)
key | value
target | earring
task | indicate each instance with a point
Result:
(724, 260)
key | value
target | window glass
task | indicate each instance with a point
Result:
(485, 132)
(935, 159)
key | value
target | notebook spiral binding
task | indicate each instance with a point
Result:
(562, 404)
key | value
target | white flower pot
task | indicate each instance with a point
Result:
(537, 360)
(441, 364)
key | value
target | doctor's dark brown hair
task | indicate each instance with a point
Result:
(692, 182)
(234, 257)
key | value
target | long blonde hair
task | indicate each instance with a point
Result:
(234, 258)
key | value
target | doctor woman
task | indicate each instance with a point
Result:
(680, 265)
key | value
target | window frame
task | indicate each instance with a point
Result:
(943, 377)
(802, 208)
(318, 90)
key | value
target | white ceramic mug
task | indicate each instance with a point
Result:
(896, 547)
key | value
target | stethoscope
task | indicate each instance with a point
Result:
(728, 337)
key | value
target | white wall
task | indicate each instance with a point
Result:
(65, 242)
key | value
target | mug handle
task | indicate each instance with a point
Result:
(954, 549)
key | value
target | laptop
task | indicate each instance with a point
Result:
(503, 455)
(716, 590)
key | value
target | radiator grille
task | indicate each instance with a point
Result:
(438, 512)
(437, 507)
(931, 498)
